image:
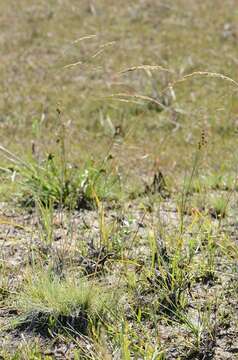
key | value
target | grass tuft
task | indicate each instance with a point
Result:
(52, 182)
(48, 305)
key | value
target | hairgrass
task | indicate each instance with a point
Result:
(49, 304)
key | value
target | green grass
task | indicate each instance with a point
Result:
(48, 304)
(118, 170)
(55, 182)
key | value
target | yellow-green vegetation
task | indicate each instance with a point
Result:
(48, 303)
(56, 182)
(118, 169)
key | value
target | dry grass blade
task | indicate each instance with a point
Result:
(129, 101)
(74, 42)
(73, 64)
(11, 223)
(86, 37)
(12, 157)
(103, 47)
(146, 68)
(139, 97)
(203, 74)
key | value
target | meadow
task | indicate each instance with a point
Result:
(118, 180)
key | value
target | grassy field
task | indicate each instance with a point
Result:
(119, 179)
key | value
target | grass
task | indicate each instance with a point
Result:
(118, 180)
(55, 182)
(48, 304)
(219, 207)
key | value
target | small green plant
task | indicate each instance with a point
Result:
(203, 332)
(214, 181)
(166, 282)
(49, 305)
(53, 182)
(45, 222)
(217, 181)
(172, 284)
(135, 342)
(218, 207)
(26, 350)
(193, 186)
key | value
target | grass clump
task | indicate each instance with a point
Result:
(76, 189)
(218, 181)
(170, 284)
(49, 305)
(165, 285)
(56, 182)
(218, 208)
